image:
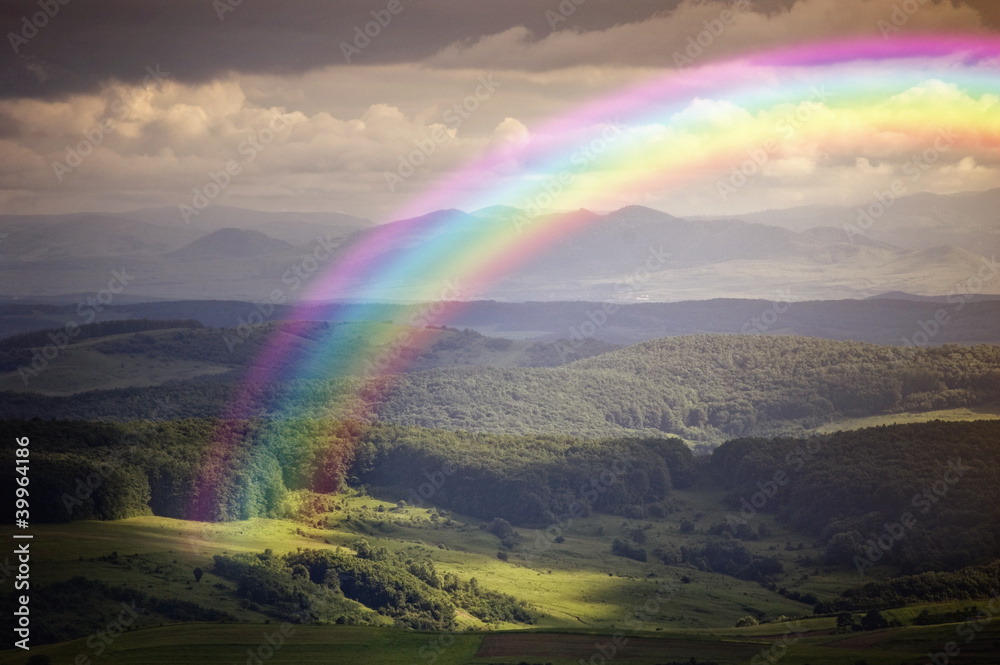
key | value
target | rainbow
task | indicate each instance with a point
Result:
(709, 122)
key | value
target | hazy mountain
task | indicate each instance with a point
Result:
(165, 229)
(296, 228)
(970, 220)
(87, 235)
(636, 253)
(231, 243)
(631, 254)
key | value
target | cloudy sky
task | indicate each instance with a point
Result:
(112, 105)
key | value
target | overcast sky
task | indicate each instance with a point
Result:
(166, 93)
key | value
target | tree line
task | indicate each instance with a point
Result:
(703, 388)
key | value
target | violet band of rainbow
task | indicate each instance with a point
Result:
(686, 126)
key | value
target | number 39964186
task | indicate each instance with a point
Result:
(21, 472)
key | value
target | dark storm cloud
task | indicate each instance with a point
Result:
(85, 42)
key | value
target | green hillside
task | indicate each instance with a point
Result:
(142, 353)
(703, 387)
(564, 585)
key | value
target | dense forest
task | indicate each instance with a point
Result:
(704, 388)
(920, 497)
(964, 584)
(230, 470)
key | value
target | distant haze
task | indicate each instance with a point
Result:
(926, 245)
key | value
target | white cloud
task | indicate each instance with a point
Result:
(352, 124)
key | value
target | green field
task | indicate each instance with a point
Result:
(80, 367)
(582, 595)
(211, 644)
(967, 414)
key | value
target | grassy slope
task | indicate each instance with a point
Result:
(576, 586)
(80, 367)
(968, 414)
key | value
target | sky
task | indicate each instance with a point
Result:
(114, 105)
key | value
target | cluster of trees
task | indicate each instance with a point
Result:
(873, 620)
(922, 497)
(968, 583)
(269, 584)
(626, 549)
(528, 480)
(409, 592)
(729, 557)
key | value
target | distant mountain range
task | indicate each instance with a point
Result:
(970, 220)
(923, 245)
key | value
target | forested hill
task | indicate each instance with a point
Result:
(934, 487)
(703, 387)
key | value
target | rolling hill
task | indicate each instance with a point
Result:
(630, 254)
(705, 388)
